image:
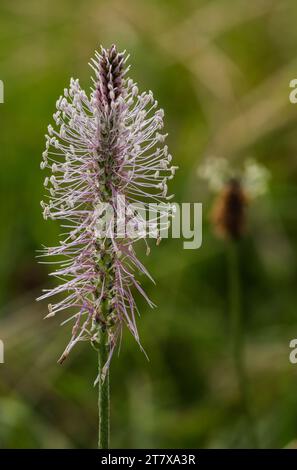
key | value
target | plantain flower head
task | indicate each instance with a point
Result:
(105, 149)
(234, 188)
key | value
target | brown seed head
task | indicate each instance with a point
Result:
(229, 211)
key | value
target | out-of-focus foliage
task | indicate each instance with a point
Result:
(221, 70)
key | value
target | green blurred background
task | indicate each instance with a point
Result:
(221, 70)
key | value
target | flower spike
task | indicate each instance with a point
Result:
(105, 149)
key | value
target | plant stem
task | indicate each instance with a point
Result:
(238, 338)
(103, 398)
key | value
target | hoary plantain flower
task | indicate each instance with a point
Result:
(105, 149)
(235, 187)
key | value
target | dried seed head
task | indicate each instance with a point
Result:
(229, 212)
(234, 186)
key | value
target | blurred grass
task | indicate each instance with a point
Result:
(221, 70)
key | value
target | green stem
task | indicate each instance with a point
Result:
(238, 339)
(103, 398)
